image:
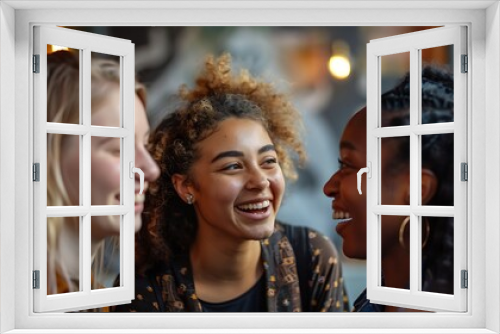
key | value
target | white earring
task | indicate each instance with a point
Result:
(189, 199)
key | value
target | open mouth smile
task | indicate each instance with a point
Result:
(256, 210)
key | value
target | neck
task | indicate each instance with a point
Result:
(224, 268)
(396, 267)
(226, 261)
(69, 249)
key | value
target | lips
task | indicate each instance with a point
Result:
(256, 206)
(255, 210)
(138, 198)
(344, 217)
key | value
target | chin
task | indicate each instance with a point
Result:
(138, 223)
(354, 254)
(264, 232)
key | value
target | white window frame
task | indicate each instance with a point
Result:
(85, 43)
(414, 43)
(483, 20)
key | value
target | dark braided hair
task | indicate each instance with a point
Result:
(171, 224)
(437, 156)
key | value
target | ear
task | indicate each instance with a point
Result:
(182, 186)
(429, 185)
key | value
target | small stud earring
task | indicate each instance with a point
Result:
(189, 199)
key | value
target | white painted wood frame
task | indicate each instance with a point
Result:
(414, 43)
(16, 21)
(86, 43)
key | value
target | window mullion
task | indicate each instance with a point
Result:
(85, 166)
(414, 166)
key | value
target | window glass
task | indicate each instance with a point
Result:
(63, 243)
(393, 68)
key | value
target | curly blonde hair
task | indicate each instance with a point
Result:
(217, 95)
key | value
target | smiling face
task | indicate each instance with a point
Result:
(349, 207)
(236, 182)
(105, 165)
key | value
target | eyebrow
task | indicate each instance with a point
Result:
(347, 145)
(237, 154)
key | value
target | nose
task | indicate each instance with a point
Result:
(257, 179)
(144, 161)
(330, 189)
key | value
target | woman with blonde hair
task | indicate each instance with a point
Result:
(63, 167)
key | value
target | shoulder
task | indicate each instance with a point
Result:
(145, 299)
(318, 245)
(321, 244)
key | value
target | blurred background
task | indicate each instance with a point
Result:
(323, 69)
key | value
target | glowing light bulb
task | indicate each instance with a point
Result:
(55, 48)
(339, 67)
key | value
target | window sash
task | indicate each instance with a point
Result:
(413, 43)
(85, 42)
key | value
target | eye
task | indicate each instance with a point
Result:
(114, 150)
(343, 165)
(232, 166)
(271, 161)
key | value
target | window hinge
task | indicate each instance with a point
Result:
(465, 279)
(36, 172)
(36, 279)
(36, 63)
(464, 171)
(465, 64)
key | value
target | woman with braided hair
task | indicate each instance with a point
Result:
(212, 242)
(437, 188)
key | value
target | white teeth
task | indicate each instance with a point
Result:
(341, 215)
(255, 206)
(139, 198)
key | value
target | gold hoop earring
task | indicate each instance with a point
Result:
(402, 228)
(189, 199)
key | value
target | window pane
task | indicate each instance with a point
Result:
(437, 254)
(437, 98)
(393, 69)
(63, 255)
(105, 171)
(63, 170)
(105, 231)
(105, 88)
(437, 169)
(395, 244)
(63, 85)
(395, 171)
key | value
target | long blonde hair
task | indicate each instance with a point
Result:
(63, 107)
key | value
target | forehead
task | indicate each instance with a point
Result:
(233, 132)
(355, 132)
(106, 112)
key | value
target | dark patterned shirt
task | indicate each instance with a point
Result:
(291, 254)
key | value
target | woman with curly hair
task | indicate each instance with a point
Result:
(211, 242)
(437, 188)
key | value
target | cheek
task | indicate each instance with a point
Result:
(105, 175)
(278, 185)
(215, 191)
(349, 188)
